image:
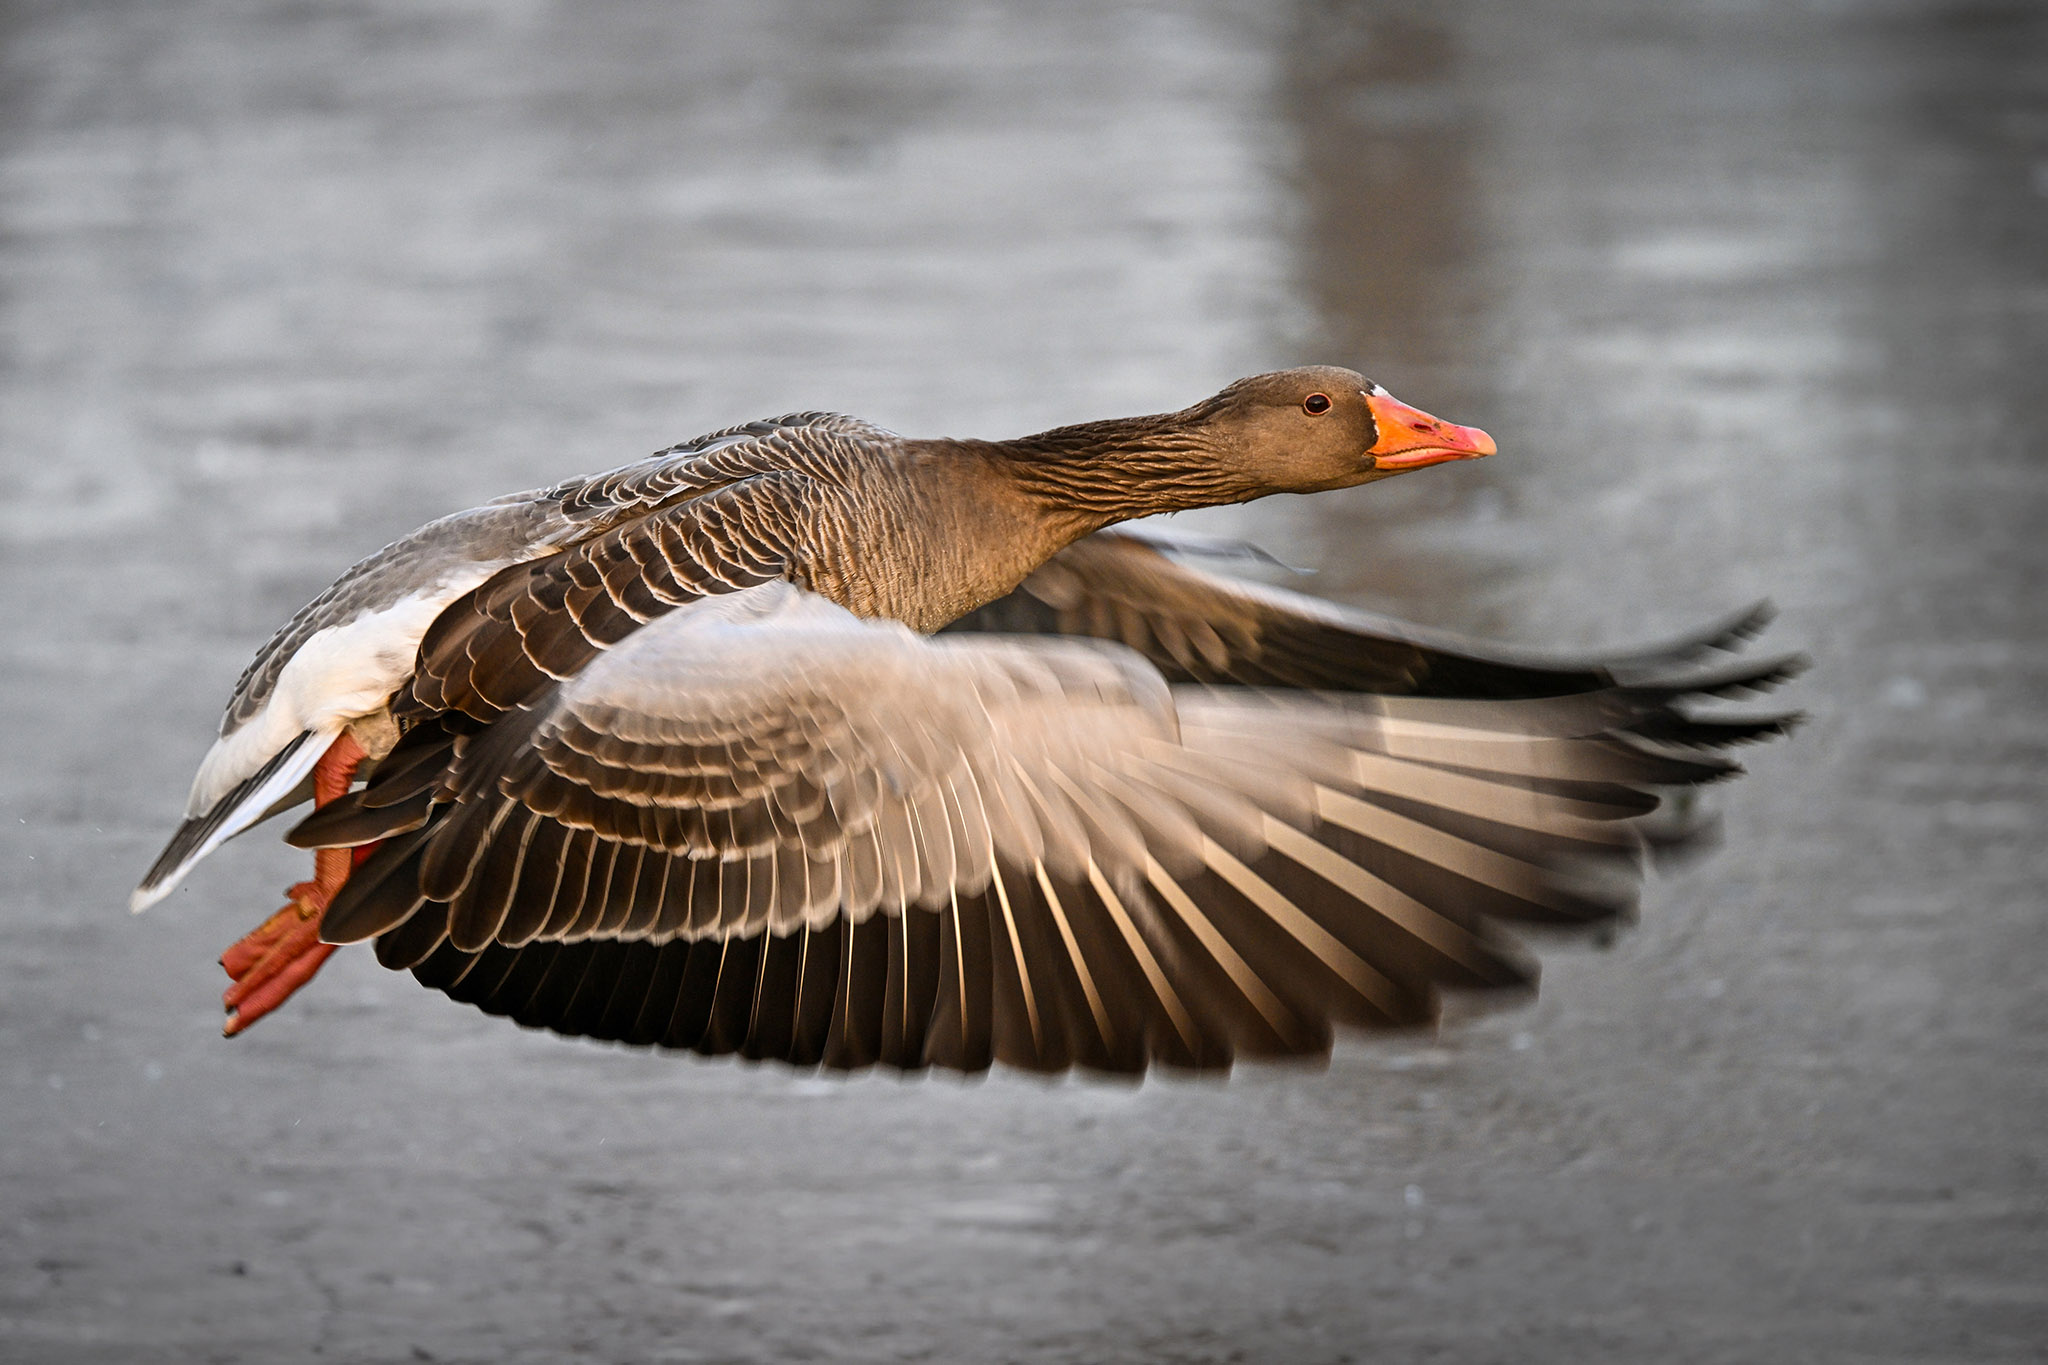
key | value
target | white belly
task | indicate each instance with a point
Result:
(339, 674)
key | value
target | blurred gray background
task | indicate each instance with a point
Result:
(1755, 299)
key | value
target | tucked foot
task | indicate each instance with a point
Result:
(274, 961)
(251, 947)
(284, 952)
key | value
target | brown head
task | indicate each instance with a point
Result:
(1304, 430)
(1319, 427)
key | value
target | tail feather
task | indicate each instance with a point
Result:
(248, 803)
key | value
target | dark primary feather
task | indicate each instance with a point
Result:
(1196, 627)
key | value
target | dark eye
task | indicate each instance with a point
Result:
(1316, 404)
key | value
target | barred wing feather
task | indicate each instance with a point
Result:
(761, 825)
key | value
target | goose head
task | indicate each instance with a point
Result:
(1304, 430)
(1320, 427)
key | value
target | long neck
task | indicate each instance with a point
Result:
(1096, 473)
(951, 524)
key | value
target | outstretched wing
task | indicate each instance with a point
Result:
(761, 825)
(1197, 627)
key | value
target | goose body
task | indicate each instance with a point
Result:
(811, 741)
(341, 658)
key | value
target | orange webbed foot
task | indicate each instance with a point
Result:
(274, 961)
(282, 954)
(250, 948)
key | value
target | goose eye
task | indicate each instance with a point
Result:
(1316, 404)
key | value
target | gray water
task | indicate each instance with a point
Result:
(1753, 297)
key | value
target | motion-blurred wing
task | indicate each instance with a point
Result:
(1197, 627)
(761, 825)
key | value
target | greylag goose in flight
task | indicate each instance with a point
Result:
(810, 741)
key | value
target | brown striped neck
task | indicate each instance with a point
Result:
(1095, 473)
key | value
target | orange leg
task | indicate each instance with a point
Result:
(284, 952)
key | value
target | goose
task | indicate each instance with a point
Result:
(805, 740)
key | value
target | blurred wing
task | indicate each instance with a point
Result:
(762, 825)
(1197, 627)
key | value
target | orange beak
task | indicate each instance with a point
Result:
(1411, 438)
